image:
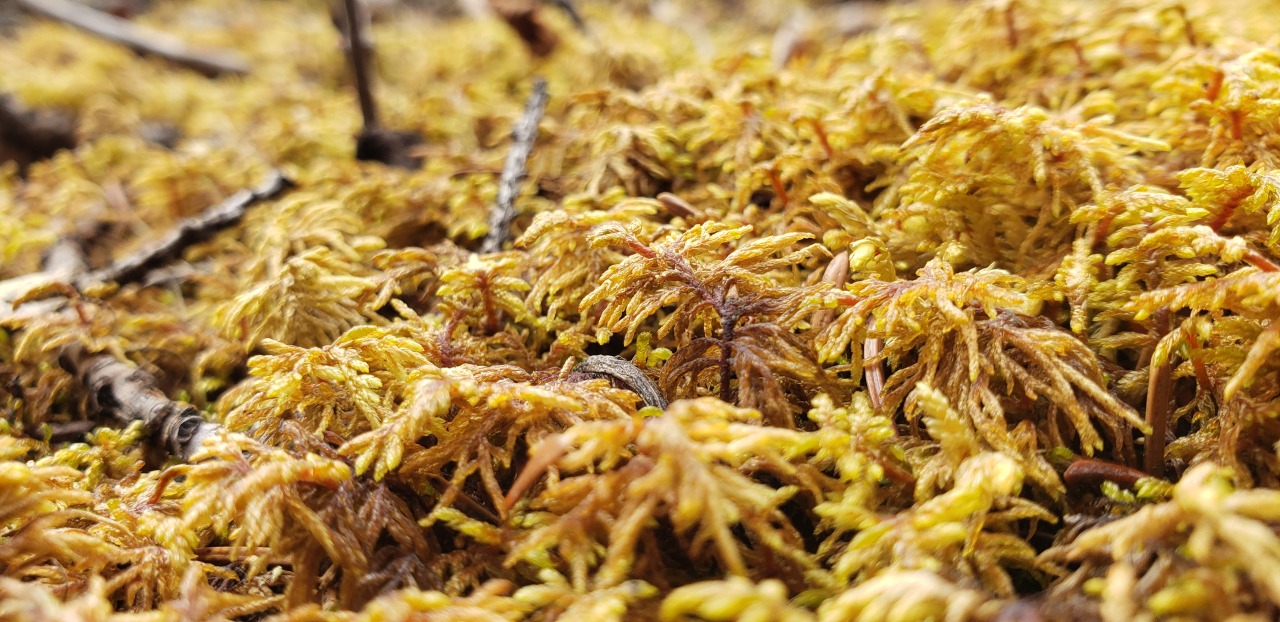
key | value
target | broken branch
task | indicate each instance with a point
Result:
(129, 393)
(190, 231)
(513, 169)
(141, 40)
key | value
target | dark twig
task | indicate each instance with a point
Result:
(141, 40)
(126, 392)
(374, 143)
(65, 261)
(624, 373)
(513, 169)
(190, 231)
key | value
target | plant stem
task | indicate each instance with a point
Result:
(360, 63)
(1159, 390)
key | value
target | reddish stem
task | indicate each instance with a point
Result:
(778, 188)
(1237, 124)
(1261, 262)
(1215, 86)
(1197, 361)
(874, 370)
(1229, 208)
(821, 132)
(1159, 391)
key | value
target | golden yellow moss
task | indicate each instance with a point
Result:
(913, 282)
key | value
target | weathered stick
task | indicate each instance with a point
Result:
(513, 169)
(65, 260)
(190, 231)
(126, 392)
(119, 389)
(141, 40)
(625, 373)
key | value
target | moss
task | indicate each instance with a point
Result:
(920, 291)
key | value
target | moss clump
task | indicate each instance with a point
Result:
(965, 310)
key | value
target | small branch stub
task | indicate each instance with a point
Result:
(625, 374)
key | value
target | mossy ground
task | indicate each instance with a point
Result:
(925, 284)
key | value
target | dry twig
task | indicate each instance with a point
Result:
(128, 393)
(141, 40)
(513, 169)
(119, 389)
(190, 231)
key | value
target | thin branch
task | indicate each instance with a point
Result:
(190, 231)
(513, 169)
(141, 40)
(121, 390)
(374, 143)
(65, 261)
